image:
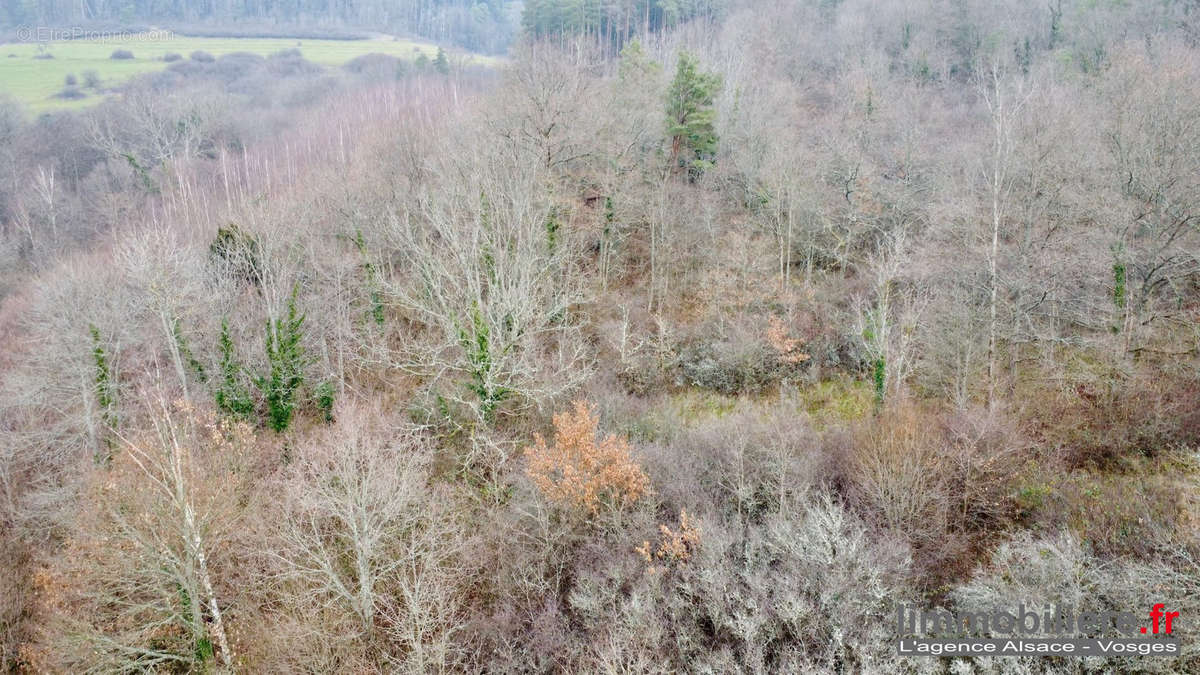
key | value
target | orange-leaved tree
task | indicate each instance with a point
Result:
(580, 472)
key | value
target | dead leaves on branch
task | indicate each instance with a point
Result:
(580, 471)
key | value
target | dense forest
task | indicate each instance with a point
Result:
(689, 340)
(612, 24)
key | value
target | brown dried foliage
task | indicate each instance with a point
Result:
(786, 346)
(579, 472)
(674, 547)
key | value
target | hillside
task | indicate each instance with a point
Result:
(701, 348)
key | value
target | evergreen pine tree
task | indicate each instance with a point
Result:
(690, 117)
(441, 63)
(636, 66)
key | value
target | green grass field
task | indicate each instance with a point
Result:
(34, 82)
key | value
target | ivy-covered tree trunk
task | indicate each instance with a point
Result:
(232, 397)
(285, 355)
(105, 394)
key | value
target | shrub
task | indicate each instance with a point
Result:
(290, 63)
(171, 57)
(674, 547)
(201, 56)
(43, 55)
(1114, 514)
(70, 80)
(786, 347)
(1109, 420)
(1059, 570)
(324, 398)
(580, 473)
(897, 473)
(943, 482)
(121, 55)
(91, 79)
(739, 365)
(237, 64)
(985, 453)
(810, 592)
(379, 66)
(747, 463)
(70, 94)
(641, 375)
(187, 69)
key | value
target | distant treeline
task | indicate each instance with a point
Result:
(480, 25)
(611, 22)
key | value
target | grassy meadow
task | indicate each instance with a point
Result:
(35, 81)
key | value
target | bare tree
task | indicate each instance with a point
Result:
(541, 110)
(39, 210)
(1154, 142)
(168, 289)
(1004, 99)
(1048, 188)
(362, 532)
(139, 588)
(485, 264)
(888, 323)
(149, 129)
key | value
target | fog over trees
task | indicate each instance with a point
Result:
(691, 337)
